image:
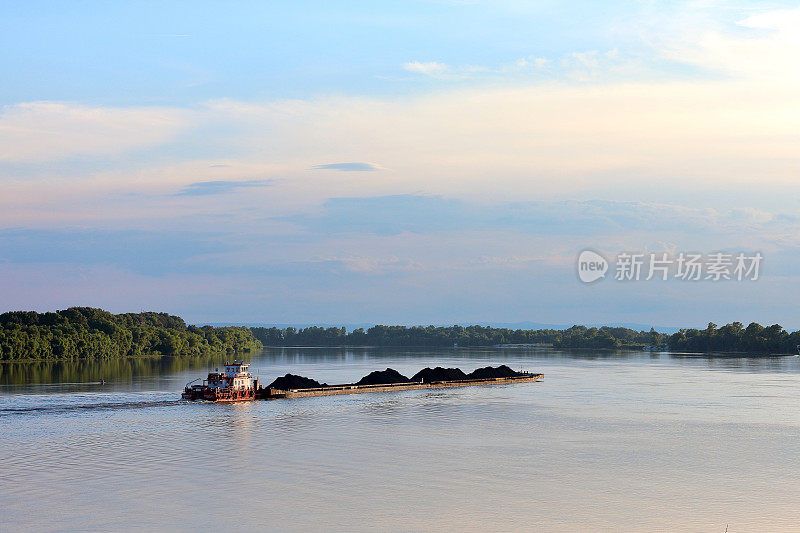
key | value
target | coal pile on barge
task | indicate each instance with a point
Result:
(379, 377)
(291, 381)
(391, 376)
(489, 372)
(428, 375)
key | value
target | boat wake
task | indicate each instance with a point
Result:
(83, 407)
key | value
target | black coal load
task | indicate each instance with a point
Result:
(489, 372)
(385, 377)
(380, 377)
(290, 381)
(427, 375)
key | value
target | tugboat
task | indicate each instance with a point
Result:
(236, 384)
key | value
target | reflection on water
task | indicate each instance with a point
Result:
(626, 441)
(128, 370)
(120, 370)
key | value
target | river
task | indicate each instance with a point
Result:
(627, 441)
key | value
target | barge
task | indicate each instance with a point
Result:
(237, 384)
(331, 390)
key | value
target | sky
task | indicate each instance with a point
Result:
(410, 162)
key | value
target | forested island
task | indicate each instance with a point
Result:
(86, 333)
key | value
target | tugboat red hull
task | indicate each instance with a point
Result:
(213, 394)
(236, 384)
(228, 395)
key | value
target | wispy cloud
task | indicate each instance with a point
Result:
(46, 131)
(355, 166)
(430, 68)
(442, 71)
(532, 61)
(762, 46)
(573, 66)
(208, 188)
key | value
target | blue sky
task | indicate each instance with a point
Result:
(402, 162)
(177, 52)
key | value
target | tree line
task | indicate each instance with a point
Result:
(733, 337)
(88, 333)
(443, 336)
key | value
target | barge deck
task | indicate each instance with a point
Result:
(332, 390)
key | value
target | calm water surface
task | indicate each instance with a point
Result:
(625, 441)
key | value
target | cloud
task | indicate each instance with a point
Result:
(207, 188)
(580, 66)
(431, 68)
(46, 131)
(701, 141)
(347, 167)
(620, 140)
(761, 46)
(531, 61)
(589, 219)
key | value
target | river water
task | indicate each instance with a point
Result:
(627, 441)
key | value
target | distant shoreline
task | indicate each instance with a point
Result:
(604, 350)
(94, 334)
